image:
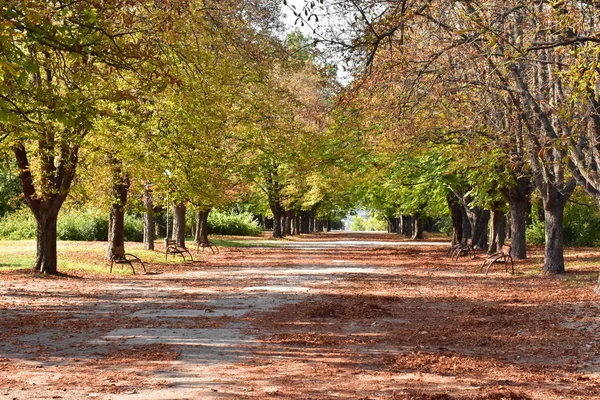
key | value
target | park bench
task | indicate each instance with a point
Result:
(172, 248)
(203, 245)
(126, 258)
(461, 249)
(503, 256)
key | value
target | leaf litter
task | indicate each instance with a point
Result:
(421, 326)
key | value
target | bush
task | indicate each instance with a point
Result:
(72, 225)
(243, 224)
(443, 224)
(82, 226)
(134, 228)
(374, 223)
(17, 225)
(535, 233)
(581, 227)
(358, 224)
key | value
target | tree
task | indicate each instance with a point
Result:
(439, 45)
(62, 67)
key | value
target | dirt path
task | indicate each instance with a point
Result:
(360, 317)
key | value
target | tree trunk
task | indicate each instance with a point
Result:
(311, 222)
(518, 227)
(456, 215)
(57, 174)
(467, 230)
(393, 225)
(498, 231)
(480, 233)
(46, 261)
(287, 223)
(304, 222)
(116, 232)
(160, 223)
(193, 225)
(148, 219)
(407, 225)
(179, 224)
(295, 223)
(116, 223)
(277, 211)
(201, 236)
(318, 225)
(418, 227)
(554, 207)
(519, 202)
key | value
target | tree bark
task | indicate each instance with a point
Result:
(46, 260)
(518, 227)
(304, 222)
(456, 215)
(277, 210)
(116, 223)
(287, 222)
(418, 227)
(554, 207)
(518, 201)
(318, 225)
(498, 231)
(179, 224)
(201, 236)
(407, 225)
(45, 203)
(295, 223)
(467, 230)
(480, 233)
(149, 227)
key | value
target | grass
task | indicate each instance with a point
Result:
(242, 243)
(581, 279)
(89, 257)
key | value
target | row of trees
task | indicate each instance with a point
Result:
(477, 103)
(198, 102)
(459, 108)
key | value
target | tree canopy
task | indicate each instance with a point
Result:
(449, 108)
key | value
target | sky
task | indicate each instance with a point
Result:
(290, 18)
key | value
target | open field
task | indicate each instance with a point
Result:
(329, 316)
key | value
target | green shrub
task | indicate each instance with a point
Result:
(581, 227)
(535, 233)
(443, 224)
(222, 223)
(358, 224)
(375, 223)
(17, 225)
(85, 225)
(134, 228)
(72, 225)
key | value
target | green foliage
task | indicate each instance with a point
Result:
(535, 232)
(224, 223)
(17, 226)
(375, 223)
(444, 224)
(358, 224)
(72, 225)
(581, 226)
(82, 226)
(10, 189)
